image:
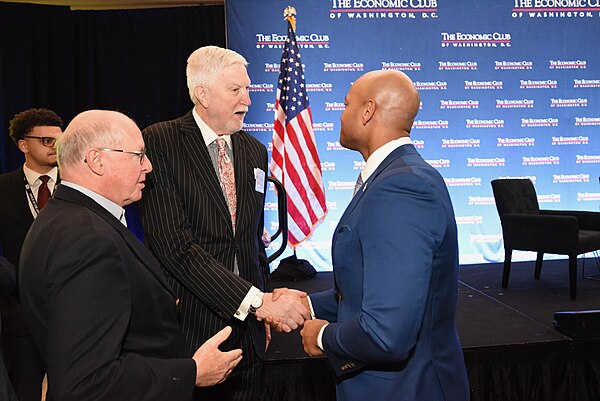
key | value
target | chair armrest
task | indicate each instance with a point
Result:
(587, 220)
(538, 232)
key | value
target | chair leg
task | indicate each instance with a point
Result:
(506, 271)
(573, 276)
(538, 265)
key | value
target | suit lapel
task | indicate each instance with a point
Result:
(142, 253)
(18, 197)
(197, 153)
(240, 165)
(396, 153)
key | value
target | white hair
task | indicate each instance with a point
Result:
(205, 63)
(72, 144)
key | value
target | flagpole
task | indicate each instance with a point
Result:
(289, 14)
(294, 159)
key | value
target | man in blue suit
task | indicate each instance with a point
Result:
(388, 327)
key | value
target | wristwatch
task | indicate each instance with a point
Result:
(256, 303)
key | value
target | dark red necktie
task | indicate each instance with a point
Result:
(43, 192)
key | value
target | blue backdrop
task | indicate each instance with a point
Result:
(508, 89)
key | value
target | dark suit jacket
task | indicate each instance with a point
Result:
(395, 263)
(99, 309)
(188, 227)
(15, 218)
(8, 280)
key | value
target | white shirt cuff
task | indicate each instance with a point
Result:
(242, 312)
(320, 337)
(312, 311)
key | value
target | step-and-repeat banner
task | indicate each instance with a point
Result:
(508, 89)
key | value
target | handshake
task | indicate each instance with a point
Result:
(284, 309)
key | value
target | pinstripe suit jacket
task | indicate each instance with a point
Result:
(188, 227)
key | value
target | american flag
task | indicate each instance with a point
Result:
(295, 161)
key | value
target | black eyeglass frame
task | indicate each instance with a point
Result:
(44, 139)
(140, 153)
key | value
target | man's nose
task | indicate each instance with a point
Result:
(147, 165)
(246, 98)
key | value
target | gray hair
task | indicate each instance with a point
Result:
(72, 145)
(205, 63)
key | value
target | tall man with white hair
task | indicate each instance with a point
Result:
(203, 218)
(100, 311)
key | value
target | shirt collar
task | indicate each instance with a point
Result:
(380, 154)
(208, 134)
(113, 208)
(33, 176)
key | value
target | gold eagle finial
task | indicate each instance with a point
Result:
(290, 14)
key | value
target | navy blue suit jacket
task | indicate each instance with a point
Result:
(395, 263)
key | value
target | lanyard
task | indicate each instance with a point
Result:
(32, 199)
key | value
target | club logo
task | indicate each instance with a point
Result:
(569, 178)
(383, 9)
(484, 85)
(530, 84)
(515, 103)
(587, 159)
(459, 104)
(579, 102)
(563, 65)
(486, 162)
(460, 39)
(463, 182)
(401, 66)
(504, 142)
(477, 123)
(570, 140)
(461, 143)
(539, 160)
(513, 65)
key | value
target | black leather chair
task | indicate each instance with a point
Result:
(527, 228)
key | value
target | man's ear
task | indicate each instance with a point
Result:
(202, 94)
(22, 145)
(95, 161)
(368, 111)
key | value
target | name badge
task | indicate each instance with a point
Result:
(259, 178)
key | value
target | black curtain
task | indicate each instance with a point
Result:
(132, 61)
(68, 61)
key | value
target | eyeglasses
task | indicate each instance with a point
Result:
(140, 153)
(46, 140)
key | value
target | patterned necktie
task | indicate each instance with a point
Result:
(227, 177)
(359, 183)
(43, 192)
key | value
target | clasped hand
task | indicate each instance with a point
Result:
(284, 309)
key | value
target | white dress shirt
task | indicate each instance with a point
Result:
(33, 178)
(113, 208)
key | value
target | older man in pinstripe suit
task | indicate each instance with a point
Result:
(203, 218)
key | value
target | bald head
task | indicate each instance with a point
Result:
(92, 128)
(396, 97)
(381, 106)
(104, 151)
